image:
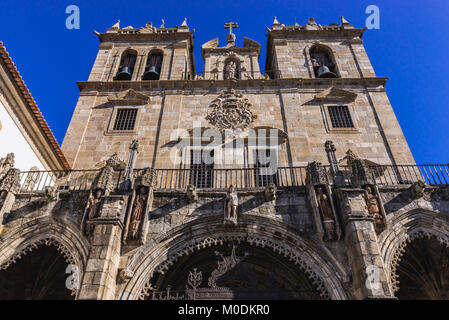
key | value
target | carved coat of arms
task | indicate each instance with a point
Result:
(230, 111)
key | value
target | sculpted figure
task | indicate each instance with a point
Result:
(138, 211)
(326, 212)
(94, 204)
(373, 208)
(232, 205)
(231, 70)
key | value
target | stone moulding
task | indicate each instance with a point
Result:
(260, 241)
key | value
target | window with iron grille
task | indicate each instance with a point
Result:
(340, 117)
(125, 119)
(263, 167)
(202, 168)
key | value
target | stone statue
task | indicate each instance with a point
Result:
(231, 205)
(138, 211)
(230, 70)
(326, 212)
(373, 208)
(93, 205)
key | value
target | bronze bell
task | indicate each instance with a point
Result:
(324, 72)
(151, 74)
(124, 74)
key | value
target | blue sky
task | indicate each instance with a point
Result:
(411, 48)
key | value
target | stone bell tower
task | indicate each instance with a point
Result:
(128, 56)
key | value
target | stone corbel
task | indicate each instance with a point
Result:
(270, 192)
(317, 178)
(417, 189)
(191, 193)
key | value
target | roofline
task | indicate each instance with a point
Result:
(33, 109)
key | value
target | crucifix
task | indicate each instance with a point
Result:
(229, 25)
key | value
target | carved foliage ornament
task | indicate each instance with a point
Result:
(10, 182)
(230, 111)
(316, 174)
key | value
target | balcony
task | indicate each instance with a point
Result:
(241, 178)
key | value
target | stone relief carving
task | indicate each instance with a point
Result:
(230, 111)
(224, 266)
(194, 279)
(232, 203)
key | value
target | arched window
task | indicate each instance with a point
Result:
(153, 66)
(231, 69)
(323, 63)
(127, 63)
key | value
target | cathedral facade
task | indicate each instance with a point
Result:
(295, 182)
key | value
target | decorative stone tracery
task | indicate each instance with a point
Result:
(278, 247)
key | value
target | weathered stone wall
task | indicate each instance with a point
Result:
(104, 258)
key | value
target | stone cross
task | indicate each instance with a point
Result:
(229, 25)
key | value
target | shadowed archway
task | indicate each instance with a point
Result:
(423, 271)
(233, 271)
(39, 274)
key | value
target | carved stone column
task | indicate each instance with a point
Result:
(369, 275)
(99, 280)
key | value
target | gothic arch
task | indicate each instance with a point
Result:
(316, 261)
(403, 229)
(20, 240)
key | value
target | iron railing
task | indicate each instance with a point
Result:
(240, 178)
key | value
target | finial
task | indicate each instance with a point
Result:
(184, 23)
(344, 21)
(275, 20)
(163, 24)
(296, 23)
(116, 25)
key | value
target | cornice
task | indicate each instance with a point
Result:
(194, 84)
